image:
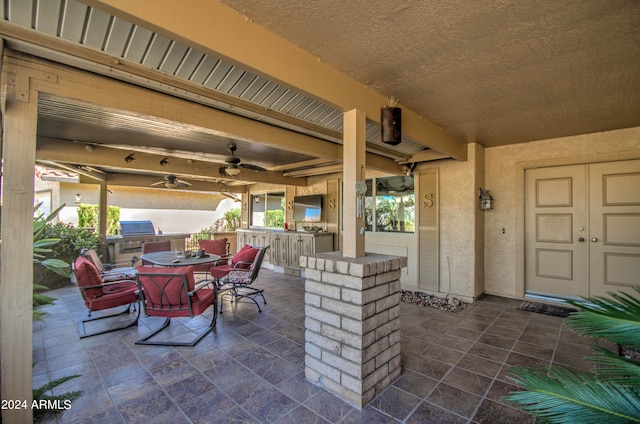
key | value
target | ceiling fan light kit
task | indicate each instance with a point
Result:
(171, 182)
(234, 163)
(232, 171)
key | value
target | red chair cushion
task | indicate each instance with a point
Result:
(247, 253)
(114, 295)
(170, 301)
(87, 275)
(220, 270)
(156, 246)
(216, 247)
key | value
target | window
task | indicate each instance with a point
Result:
(267, 210)
(390, 204)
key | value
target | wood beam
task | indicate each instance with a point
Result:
(303, 164)
(239, 41)
(321, 170)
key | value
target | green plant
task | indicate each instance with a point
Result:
(53, 404)
(42, 244)
(88, 217)
(41, 248)
(63, 243)
(274, 219)
(232, 219)
(612, 393)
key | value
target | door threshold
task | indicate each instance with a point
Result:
(549, 298)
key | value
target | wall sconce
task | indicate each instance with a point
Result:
(486, 200)
(129, 158)
(78, 198)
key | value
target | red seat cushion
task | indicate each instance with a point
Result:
(220, 270)
(114, 295)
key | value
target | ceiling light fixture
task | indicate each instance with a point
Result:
(129, 158)
(164, 161)
(232, 170)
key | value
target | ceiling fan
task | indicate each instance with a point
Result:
(171, 182)
(234, 164)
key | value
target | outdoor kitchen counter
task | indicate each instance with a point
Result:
(124, 247)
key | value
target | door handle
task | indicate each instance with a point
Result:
(581, 239)
(594, 239)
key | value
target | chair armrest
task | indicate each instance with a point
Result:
(224, 258)
(107, 284)
(240, 263)
(198, 287)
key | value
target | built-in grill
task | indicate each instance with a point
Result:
(133, 234)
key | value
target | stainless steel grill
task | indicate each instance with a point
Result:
(134, 233)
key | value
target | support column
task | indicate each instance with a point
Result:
(352, 337)
(354, 151)
(16, 270)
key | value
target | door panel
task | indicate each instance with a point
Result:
(555, 231)
(582, 235)
(615, 226)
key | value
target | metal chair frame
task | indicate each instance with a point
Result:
(131, 323)
(237, 283)
(185, 308)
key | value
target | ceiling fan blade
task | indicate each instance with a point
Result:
(158, 183)
(183, 183)
(252, 167)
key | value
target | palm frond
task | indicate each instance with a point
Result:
(615, 368)
(616, 319)
(565, 396)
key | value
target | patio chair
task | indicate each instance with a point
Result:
(172, 293)
(219, 247)
(155, 246)
(111, 272)
(98, 295)
(242, 273)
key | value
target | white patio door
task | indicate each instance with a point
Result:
(582, 229)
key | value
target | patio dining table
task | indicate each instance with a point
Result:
(169, 258)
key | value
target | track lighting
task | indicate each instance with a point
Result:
(164, 161)
(129, 158)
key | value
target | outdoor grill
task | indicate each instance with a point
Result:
(133, 234)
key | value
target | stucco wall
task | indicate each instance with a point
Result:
(504, 176)
(458, 216)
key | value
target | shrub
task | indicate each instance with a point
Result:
(71, 241)
(88, 217)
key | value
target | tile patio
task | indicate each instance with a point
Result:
(251, 368)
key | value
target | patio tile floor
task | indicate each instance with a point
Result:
(250, 369)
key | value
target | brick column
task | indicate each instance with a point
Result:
(352, 336)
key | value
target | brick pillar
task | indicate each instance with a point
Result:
(352, 308)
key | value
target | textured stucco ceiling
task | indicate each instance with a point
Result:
(492, 71)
